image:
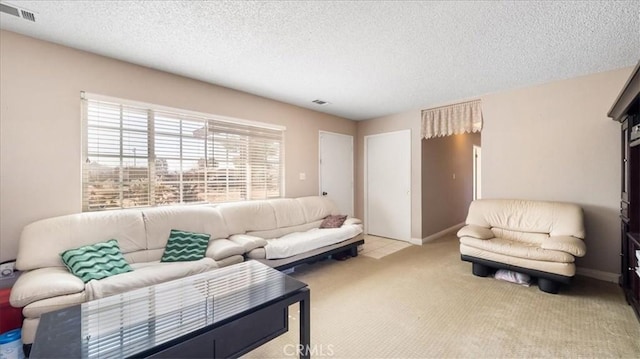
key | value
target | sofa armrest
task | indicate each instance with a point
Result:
(219, 249)
(475, 231)
(351, 220)
(44, 283)
(248, 242)
(569, 244)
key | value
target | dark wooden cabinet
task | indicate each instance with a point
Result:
(626, 110)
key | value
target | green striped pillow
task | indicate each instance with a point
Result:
(185, 246)
(96, 261)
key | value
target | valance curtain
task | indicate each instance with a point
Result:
(455, 119)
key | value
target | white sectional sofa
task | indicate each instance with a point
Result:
(538, 238)
(237, 231)
(288, 227)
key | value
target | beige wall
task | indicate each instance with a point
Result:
(445, 199)
(40, 86)
(550, 142)
(555, 142)
(403, 121)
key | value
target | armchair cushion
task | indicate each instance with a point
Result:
(566, 244)
(472, 230)
(518, 249)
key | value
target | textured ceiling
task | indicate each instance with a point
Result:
(367, 58)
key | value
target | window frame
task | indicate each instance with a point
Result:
(251, 134)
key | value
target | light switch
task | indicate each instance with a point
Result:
(303, 176)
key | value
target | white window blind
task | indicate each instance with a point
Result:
(139, 155)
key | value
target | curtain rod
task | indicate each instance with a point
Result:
(453, 104)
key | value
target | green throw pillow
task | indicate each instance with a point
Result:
(185, 246)
(96, 261)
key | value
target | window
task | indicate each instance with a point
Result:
(138, 155)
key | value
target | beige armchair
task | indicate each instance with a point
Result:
(538, 238)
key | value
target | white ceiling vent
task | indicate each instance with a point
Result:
(320, 102)
(16, 11)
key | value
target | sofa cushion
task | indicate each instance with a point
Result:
(518, 249)
(44, 283)
(242, 217)
(42, 241)
(220, 249)
(145, 275)
(300, 242)
(316, 208)
(288, 212)
(248, 242)
(184, 246)
(235, 259)
(160, 221)
(95, 261)
(279, 232)
(333, 221)
(258, 253)
(352, 220)
(148, 255)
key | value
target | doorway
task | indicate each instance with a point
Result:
(336, 170)
(388, 185)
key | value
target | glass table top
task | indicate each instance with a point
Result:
(132, 322)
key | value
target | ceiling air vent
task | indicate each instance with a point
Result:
(18, 12)
(320, 102)
(27, 15)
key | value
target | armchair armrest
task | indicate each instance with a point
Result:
(569, 244)
(44, 283)
(475, 231)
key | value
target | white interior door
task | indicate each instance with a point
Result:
(388, 185)
(477, 172)
(336, 169)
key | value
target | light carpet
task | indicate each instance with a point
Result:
(423, 302)
(379, 247)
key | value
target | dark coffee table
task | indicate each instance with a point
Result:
(219, 314)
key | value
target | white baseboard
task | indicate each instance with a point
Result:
(600, 275)
(416, 241)
(443, 232)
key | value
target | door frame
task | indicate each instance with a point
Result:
(477, 172)
(353, 166)
(366, 181)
